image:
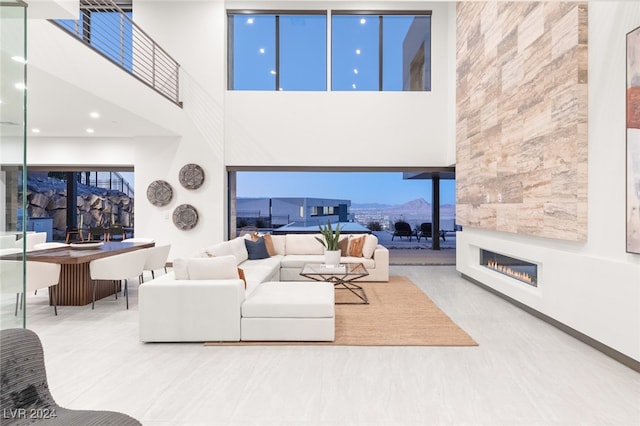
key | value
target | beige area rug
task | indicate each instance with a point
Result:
(398, 314)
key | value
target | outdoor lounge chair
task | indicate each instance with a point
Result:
(426, 230)
(403, 229)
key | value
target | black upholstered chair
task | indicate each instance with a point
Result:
(426, 231)
(403, 229)
(24, 392)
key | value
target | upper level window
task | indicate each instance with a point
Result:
(277, 51)
(381, 52)
(369, 51)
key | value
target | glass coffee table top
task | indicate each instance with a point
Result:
(342, 277)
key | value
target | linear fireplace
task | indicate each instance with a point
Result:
(518, 269)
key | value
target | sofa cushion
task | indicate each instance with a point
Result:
(290, 300)
(268, 242)
(213, 268)
(235, 247)
(180, 269)
(299, 260)
(256, 249)
(355, 246)
(370, 244)
(238, 249)
(303, 244)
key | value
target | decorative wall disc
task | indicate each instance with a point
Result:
(159, 193)
(185, 217)
(191, 176)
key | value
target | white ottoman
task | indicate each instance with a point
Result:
(289, 311)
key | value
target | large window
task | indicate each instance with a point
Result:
(381, 52)
(277, 51)
(372, 51)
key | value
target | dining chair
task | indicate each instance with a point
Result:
(97, 232)
(43, 275)
(156, 259)
(38, 275)
(51, 245)
(117, 268)
(31, 239)
(116, 233)
(25, 388)
(138, 240)
(7, 241)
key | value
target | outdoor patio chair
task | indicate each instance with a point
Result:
(115, 233)
(97, 233)
(426, 231)
(403, 229)
(24, 387)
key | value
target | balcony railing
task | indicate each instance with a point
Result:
(110, 31)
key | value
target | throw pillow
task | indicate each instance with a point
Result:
(269, 243)
(242, 277)
(180, 269)
(343, 246)
(356, 245)
(256, 249)
(213, 268)
(370, 244)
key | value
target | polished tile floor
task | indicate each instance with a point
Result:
(524, 372)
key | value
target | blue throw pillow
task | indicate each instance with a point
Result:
(256, 249)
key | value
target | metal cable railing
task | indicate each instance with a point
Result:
(109, 30)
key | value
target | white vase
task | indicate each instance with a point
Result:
(332, 257)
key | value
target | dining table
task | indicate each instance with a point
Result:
(75, 287)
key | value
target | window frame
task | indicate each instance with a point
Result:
(276, 14)
(380, 14)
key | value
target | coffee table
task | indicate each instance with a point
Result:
(342, 277)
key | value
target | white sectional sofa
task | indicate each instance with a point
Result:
(202, 298)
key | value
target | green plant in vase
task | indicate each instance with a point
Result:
(329, 240)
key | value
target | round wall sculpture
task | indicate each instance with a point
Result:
(185, 217)
(191, 176)
(159, 193)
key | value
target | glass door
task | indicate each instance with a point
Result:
(12, 160)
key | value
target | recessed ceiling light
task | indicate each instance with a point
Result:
(272, 72)
(261, 50)
(20, 86)
(249, 20)
(19, 59)
(363, 21)
(357, 51)
(355, 70)
(94, 115)
(90, 130)
(353, 86)
(34, 130)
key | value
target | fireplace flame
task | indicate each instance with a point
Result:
(522, 276)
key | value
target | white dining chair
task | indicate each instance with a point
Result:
(119, 267)
(51, 245)
(44, 275)
(156, 259)
(7, 241)
(38, 275)
(31, 239)
(138, 240)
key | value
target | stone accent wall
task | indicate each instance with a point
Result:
(521, 163)
(47, 197)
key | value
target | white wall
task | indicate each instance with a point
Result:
(592, 287)
(359, 129)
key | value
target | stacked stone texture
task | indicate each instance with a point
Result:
(96, 206)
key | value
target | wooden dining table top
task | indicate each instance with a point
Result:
(70, 255)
